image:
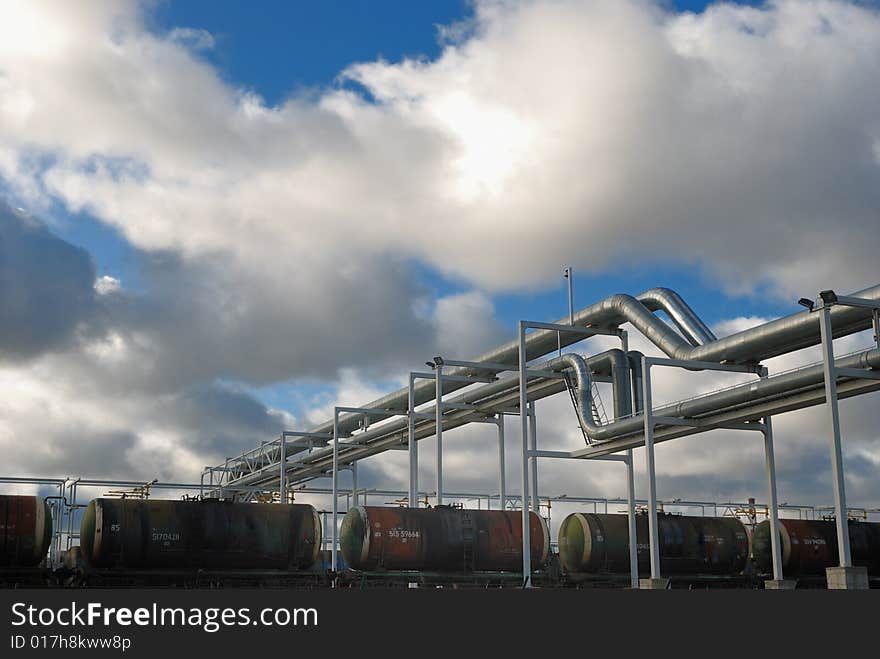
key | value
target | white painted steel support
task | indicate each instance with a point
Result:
(502, 485)
(631, 521)
(524, 419)
(524, 372)
(533, 461)
(282, 475)
(772, 505)
(413, 496)
(653, 534)
(837, 476)
(631, 488)
(335, 495)
(354, 483)
(438, 378)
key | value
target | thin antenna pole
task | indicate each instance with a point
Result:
(569, 274)
(566, 274)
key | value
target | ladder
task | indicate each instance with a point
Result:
(468, 539)
(597, 411)
(600, 418)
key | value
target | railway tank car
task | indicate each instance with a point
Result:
(25, 530)
(599, 544)
(809, 546)
(440, 539)
(209, 535)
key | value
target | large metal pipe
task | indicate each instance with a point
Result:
(799, 330)
(577, 365)
(765, 389)
(687, 321)
(612, 311)
(395, 432)
(786, 391)
(807, 396)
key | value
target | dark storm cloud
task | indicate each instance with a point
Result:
(53, 452)
(205, 318)
(216, 419)
(46, 287)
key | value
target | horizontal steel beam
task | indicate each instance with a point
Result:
(479, 366)
(571, 329)
(697, 365)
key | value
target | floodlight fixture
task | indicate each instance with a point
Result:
(828, 297)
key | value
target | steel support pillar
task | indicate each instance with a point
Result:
(502, 485)
(333, 562)
(653, 535)
(773, 510)
(438, 378)
(524, 419)
(282, 471)
(631, 521)
(413, 496)
(354, 483)
(533, 460)
(837, 477)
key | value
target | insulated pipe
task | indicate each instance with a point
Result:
(504, 393)
(612, 311)
(783, 335)
(807, 397)
(395, 432)
(620, 383)
(614, 359)
(787, 334)
(584, 394)
(779, 386)
(687, 321)
(635, 365)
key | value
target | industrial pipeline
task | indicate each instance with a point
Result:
(692, 341)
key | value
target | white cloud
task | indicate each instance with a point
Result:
(192, 38)
(106, 284)
(465, 325)
(739, 139)
(277, 240)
